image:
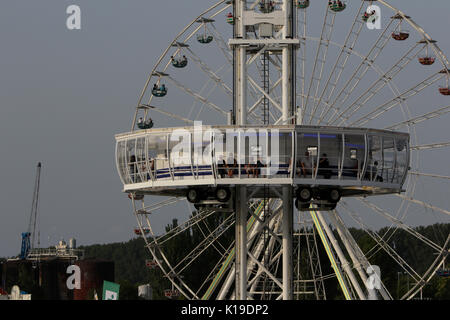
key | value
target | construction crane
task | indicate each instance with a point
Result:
(28, 237)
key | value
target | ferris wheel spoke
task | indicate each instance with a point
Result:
(263, 250)
(266, 271)
(221, 269)
(276, 63)
(263, 226)
(320, 58)
(222, 45)
(427, 116)
(202, 106)
(423, 204)
(207, 70)
(358, 258)
(341, 62)
(384, 245)
(428, 275)
(361, 70)
(421, 174)
(401, 225)
(196, 96)
(379, 110)
(194, 220)
(257, 243)
(344, 264)
(379, 84)
(175, 280)
(261, 274)
(169, 114)
(161, 204)
(254, 231)
(220, 250)
(302, 22)
(211, 279)
(204, 244)
(430, 146)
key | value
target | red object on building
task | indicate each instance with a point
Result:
(93, 273)
(3, 292)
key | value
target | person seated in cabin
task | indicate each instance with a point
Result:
(229, 171)
(155, 87)
(229, 166)
(132, 167)
(235, 167)
(152, 168)
(140, 122)
(248, 169)
(324, 167)
(258, 167)
(355, 168)
(163, 87)
(299, 168)
(222, 165)
(307, 165)
(377, 178)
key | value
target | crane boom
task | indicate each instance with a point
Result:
(27, 243)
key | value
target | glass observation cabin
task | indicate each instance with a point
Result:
(169, 161)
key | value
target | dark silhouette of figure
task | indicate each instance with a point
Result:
(324, 167)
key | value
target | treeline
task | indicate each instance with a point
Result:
(130, 257)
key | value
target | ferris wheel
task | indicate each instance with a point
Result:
(345, 87)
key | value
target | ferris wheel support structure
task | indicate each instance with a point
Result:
(287, 44)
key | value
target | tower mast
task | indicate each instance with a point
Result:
(269, 31)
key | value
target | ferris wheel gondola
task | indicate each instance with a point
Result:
(400, 34)
(205, 37)
(303, 4)
(427, 59)
(337, 6)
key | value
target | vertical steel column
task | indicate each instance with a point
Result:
(241, 243)
(240, 65)
(287, 230)
(241, 208)
(286, 62)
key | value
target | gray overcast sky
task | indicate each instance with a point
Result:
(65, 94)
